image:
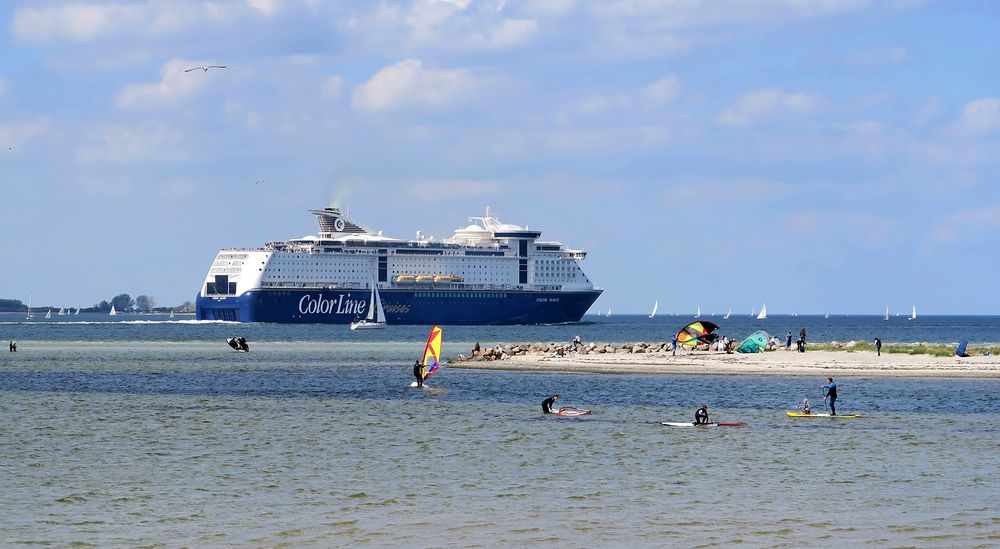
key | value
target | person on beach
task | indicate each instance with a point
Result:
(802, 335)
(476, 349)
(788, 341)
(831, 395)
(878, 347)
(418, 372)
(547, 404)
(701, 416)
(805, 407)
(673, 346)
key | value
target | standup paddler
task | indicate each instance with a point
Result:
(831, 395)
(701, 416)
(547, 404)
(418, 372)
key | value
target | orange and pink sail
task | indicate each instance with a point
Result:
(432, 352)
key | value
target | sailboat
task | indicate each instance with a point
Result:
(77, 311)
(762, 315)
(827, 315)
(913, 315)
(48, 314)
(30, 314)
(62, 312)
(376, 317)
(171, 314)
(697, 314)
(609, 312)
(886, 317)
(113, 311)
(656, 306)
(432, 354)
(729, 312)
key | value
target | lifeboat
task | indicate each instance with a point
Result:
(447, 278)
(405, 279)
(425, 279)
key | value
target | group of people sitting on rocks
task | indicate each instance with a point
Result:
(491, 353)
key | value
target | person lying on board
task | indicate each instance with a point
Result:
(547, 404)
(701, 416)
(805, 406)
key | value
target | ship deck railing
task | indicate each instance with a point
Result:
(410, 286)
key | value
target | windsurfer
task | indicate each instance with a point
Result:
(701, 416)
(547, 404)
(418, 372)
(831, 395)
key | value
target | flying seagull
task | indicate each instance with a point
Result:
(205, 68)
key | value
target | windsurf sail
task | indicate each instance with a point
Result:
(755, 343)
(432, 352)
(697, 332)
(962, 348)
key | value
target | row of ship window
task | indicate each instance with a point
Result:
(461, 295)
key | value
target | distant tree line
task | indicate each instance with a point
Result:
(122, 303)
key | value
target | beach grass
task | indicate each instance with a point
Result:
(932, 349)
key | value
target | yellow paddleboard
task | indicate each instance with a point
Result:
(800, 414)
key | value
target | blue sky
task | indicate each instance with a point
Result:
(818, 156)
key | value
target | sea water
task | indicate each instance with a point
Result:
(157, 434)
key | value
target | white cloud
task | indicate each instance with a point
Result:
(125, 145)
(15, 134)
(663, 90)
(265, 7)
(174, 86)
(431, 191)
(410, 83)
(980, 116)
(766, 104)
(984, 220)
(332, 86)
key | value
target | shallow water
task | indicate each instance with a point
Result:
(127, 443)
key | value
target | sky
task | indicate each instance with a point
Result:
(829, 155)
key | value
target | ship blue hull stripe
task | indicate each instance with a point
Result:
(401, 306)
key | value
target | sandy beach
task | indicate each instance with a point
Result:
(784, 363)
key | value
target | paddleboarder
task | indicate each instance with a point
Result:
(418, 372)
(701, 416)
(805, 407)
(547, 404)
(831, 395)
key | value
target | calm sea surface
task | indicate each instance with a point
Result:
(144, 433)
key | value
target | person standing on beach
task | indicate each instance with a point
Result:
(802, 335)
(673, 345)
(701, 416)
(878, 347)
(788, 341)
(831, 395)
(547, 404)
(418, 372)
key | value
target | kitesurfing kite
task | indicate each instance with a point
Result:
(755, 343)
(697, 333)
(432, 352)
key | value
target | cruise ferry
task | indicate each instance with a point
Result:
(487, 273)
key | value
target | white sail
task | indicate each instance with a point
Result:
(609, 312)
(77, 311)
(30, 314)
(697, 313)
(171, 314)
(376, 316)
(886, 317)
(113, 311)
(913, 315)
(62, 312)
(762, 315)
(827, 315)
(729, 312)
(656, 305)
(48, 314)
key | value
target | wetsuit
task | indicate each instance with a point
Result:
(831, 396)
(701, 417)
(418, 372)
(547, 405)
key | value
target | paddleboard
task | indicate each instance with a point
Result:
(414, 384)
(800, 414)
(572, 412)
(690, 424)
